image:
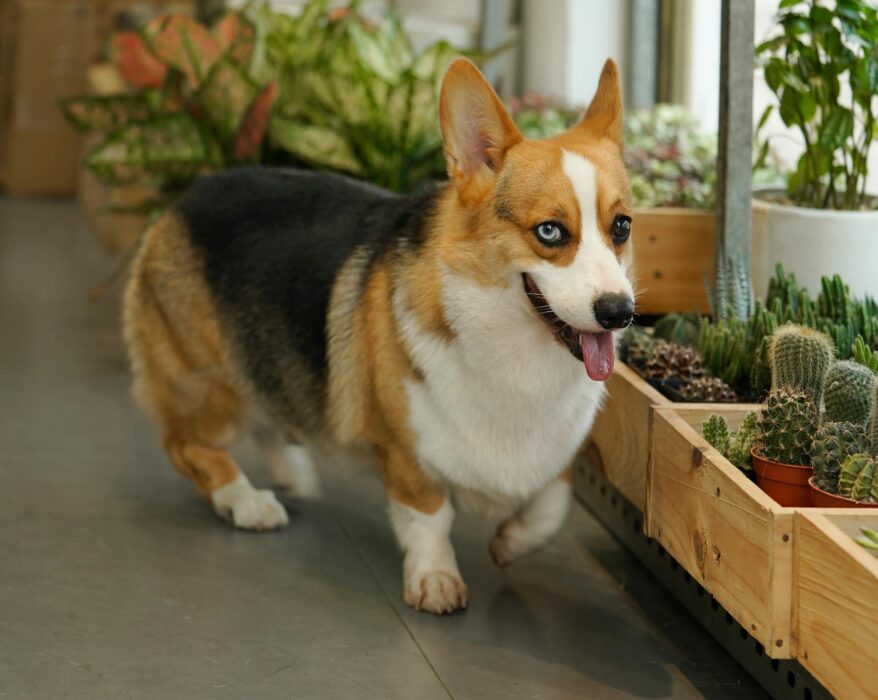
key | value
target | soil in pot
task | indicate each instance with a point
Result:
(785, 483)
(824, 499)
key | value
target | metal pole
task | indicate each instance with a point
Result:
(734, 158)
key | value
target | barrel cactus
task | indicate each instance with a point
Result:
(788, 425)
(847, 392)
(800, 358)
(872, 430)
(857, 475)
(833, 444)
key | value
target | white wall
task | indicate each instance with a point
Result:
(566, 43)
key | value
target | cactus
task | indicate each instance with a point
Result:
(834, 443)
(732, 295)
(851, 469)
(872, 428)
(800, 358)
(788, 426)
(707, 390)
(677, 328)
(862, 487)
(847, 392)
(760, 370)
(863, 354)
(716, 432)
(743, 440)
(869, 538)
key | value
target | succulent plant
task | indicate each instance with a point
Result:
(707, 390)
(742, 441)
(833, 444)
(856, 471)
(669, 360)
(731, 294)
(847, 392)
(869, 538)
(678, 328)
(635, 344)
(800, 358)
(787, 427)
(716, 431)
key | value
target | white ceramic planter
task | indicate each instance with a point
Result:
(815, 242)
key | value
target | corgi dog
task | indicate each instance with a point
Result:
(461, 336)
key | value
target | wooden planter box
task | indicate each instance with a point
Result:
(673, 250)
(719, 526)
(836, 601)
(619, 442)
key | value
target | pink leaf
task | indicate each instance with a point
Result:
(186, 44)
(136, 62)
(252, 130)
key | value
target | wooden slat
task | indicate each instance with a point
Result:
(731, 537)
(619, 440)
(836, 602)
(696, 413)
(673, 249)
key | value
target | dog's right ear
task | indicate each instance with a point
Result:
(476, 127)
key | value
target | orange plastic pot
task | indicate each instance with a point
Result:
(824, 499)
(785, 483)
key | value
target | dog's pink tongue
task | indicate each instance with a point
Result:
(599, 355)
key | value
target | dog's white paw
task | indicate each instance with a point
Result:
(436, 592)
(249, 508)
(505, 548)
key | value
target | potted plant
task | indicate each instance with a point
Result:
(821, 66)
(846, 445)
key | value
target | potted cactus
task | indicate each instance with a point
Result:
(845, 448)
(799, 359)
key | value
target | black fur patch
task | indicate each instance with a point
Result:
(273, 242)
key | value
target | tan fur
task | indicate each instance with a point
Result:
(183, 375)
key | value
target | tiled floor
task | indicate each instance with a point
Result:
(117, 581)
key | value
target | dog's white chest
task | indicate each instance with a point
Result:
(503, 408)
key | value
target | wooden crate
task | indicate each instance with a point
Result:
(719, 526)
(619, 441)
(836, 601)
(673, 249)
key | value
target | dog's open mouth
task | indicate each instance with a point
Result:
(595, 350)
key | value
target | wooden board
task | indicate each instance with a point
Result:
(836, 601)
(696, 413)
(673, 249)
(619, 441)
(730, 536)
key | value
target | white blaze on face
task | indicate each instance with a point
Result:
(571, 291)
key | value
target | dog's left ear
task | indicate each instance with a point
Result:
(603, 118)
(476, 128)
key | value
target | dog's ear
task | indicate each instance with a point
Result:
(476, 127)
(603, 119)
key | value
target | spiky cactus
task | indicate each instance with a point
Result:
(872, 429)
(787, 427)
(742, 441)
(833, 443)
(800, 358)
(862, 487)
(716, 432)
(851, 469)
(847, 392)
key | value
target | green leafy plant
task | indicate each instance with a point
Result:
(538, 117)
(823, 69)
(196, 101)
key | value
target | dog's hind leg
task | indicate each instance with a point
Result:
(292, 466)
(184, 377)
(532, 526)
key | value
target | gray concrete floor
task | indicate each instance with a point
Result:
(116, 580)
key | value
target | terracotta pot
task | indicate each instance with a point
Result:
(824, 499)
(785, 483)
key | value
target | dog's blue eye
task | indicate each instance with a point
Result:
(551, 233)
(621, 228)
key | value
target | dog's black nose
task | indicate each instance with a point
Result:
(614, 310)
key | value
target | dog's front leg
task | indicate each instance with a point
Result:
(421, 514)
(532, 526)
